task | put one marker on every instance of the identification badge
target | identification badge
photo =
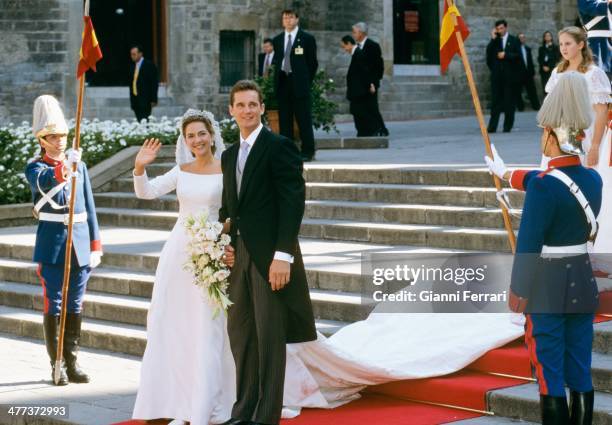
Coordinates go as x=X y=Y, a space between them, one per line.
x=299 y=51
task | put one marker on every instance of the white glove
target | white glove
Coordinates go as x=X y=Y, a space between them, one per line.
x=95 y=258
x=73 y=157
x=496 y=165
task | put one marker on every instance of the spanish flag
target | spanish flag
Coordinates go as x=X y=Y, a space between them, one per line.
x=448 y=40
x=90 y=49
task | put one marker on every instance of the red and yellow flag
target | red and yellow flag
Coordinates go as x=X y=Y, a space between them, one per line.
x=448 y=40
x=90 y=49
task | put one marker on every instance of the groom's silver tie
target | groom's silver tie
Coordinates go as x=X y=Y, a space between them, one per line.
x=242 y=157
x=287 y=59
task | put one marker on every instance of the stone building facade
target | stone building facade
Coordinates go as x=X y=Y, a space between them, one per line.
x=40 y=40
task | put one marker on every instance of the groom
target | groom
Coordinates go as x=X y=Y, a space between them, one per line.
x=263 y=200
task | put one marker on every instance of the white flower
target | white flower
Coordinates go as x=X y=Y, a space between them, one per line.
x=206 y=248
x=211 y=235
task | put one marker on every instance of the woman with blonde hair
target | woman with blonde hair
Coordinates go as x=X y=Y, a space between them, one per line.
x=577 y=56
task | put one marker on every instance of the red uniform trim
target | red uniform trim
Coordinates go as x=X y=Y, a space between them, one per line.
x=50 y=161
x=564 y=161
x=517 y=178
x=59 y=173
x=559 y=162
x=96 y=245
x=44 y=286
x=58 y=167
x=533 y=355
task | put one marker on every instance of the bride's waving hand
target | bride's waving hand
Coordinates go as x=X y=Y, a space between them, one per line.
x=146 y=155
x=159 y=186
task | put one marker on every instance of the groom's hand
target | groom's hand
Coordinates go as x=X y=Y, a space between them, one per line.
x=279 y=274
x=229 y=256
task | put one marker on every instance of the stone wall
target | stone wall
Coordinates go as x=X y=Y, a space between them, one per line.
x=194 y=39
x=39 y=42
x=33 y=59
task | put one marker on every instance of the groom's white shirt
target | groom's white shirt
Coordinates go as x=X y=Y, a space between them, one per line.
x=278 y=255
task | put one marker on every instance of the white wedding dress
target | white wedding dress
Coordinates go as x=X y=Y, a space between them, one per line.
x=599 y=91
x=389 y=347
x=187 y=371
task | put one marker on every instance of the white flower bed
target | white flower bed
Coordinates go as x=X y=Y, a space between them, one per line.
x=99 y=140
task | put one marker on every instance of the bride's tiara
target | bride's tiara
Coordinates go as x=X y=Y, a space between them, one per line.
x=195 y=113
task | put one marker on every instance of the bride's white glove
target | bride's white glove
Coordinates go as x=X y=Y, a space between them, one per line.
x=496 y=165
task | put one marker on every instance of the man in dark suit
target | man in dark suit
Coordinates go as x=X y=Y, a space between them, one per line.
x=504 y=61
x=527 y=78
x=358 y=88
x=143 y=84
x=295 y=64
x=265 y=59
x=263 y=202
x=376 y=68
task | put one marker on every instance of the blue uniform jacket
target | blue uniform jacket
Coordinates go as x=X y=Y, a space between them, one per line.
x=51 y=236
x=553 y=217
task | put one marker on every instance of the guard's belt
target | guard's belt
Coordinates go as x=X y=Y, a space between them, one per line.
x=62 y=218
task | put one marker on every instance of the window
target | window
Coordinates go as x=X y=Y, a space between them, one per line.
x=416 y=33
x=237 y=57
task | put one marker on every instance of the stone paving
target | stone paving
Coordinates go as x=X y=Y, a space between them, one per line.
x=446 y=141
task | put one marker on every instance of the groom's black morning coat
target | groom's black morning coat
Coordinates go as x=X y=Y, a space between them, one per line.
x=268 y=212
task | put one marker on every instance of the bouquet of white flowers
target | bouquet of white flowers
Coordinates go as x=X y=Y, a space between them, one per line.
x=206 y=248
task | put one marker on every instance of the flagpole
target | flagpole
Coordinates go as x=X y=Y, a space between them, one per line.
x=68 y=254
x=481 y=122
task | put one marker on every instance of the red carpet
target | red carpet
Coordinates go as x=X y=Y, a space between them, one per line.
x=388 y=404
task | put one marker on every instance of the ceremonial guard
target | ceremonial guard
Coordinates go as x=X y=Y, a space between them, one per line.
x=552 y=279
x=50 y=177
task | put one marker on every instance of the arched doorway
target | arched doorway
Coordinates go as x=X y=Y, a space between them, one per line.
x=119 y=25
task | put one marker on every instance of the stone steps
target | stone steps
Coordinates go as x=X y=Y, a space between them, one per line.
x=141 y=266
x=462 y=238
x=377 y=173
x=359 y=192
x=379 y=212
x=522 y=402
x=131 y=310
x=123 y=296
x=425 y=235
x=410 y=194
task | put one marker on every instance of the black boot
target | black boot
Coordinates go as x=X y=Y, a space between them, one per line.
x=581 y=407
x=554 y=410
x=71 y=349
x=51 y=331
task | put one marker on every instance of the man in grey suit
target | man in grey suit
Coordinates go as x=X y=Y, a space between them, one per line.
x=263 y=202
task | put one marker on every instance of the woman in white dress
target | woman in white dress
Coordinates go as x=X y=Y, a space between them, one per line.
x=578 y=57
x=187 y=372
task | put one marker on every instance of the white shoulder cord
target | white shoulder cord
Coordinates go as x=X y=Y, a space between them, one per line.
x=582 y=200
x=47 y=198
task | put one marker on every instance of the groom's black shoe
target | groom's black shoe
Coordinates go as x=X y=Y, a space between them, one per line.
x=236 y=422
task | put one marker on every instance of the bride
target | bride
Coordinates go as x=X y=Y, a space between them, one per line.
x=187 y=371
